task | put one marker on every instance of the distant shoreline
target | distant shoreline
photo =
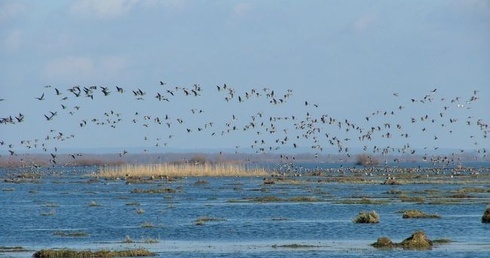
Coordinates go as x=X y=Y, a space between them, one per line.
x=114 y=159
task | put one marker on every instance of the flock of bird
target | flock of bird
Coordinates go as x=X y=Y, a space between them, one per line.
x=270 y=130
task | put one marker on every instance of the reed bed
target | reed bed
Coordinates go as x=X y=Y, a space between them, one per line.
x=180 y=170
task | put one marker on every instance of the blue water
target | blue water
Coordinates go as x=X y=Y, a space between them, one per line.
x=243 y=228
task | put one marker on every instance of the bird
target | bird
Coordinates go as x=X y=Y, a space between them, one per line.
x=41 y=98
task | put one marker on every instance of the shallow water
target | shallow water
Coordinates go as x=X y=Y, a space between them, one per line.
x=32 y=213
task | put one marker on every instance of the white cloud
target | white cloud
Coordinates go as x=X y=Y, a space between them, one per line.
x=365 y=22
x=102 y=9
x=10 y=10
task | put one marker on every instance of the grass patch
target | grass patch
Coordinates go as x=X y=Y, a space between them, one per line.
x=202 y=220
x=271 y=198
x=50 y=253
x=151 y=241
x=416 y=214
x=294 y=246
x=11 y=249
x=417 y=199
x=442 y=241
x=154 y=191
x=367 y=217
x=362 y=201
x=70 y=233
x=180 y=170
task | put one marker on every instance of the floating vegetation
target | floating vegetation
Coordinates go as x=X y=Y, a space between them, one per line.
x=150 y=241
x=50 y=253
x=12 y=249
x=295 y=246
x=416 y=199
x=154 y=191
x=367 y=217
x=201 y=220
x=140 y=211
x=362 y=201
x=133 y=204
x=70 y=233
x=416 y=214
x=271 y=198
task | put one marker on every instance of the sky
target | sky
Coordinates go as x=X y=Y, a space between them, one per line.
x=318 y=67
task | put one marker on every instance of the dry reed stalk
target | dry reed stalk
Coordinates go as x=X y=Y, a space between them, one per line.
x=180 y=170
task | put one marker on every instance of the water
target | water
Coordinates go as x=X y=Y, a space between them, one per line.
x=34 y=213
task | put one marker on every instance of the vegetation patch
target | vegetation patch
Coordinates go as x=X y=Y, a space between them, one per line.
x=271 y=198
x=367 y=217
x=181 y=170
x=11 y=249
x=154 y=191
x=362 y=201
x=54 y=253
x=202 y=220
x=416 y=214
x=383 y=243
x=294 y=246
x=416 y=199
x=417 y=241
x=486 y=216
x=70 y=233
x=150 y=241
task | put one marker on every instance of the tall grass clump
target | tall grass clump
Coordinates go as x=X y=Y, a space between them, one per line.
x=180 y=170
x=48 y=253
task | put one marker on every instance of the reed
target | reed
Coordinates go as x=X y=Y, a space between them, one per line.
x=180 y=170
x=83 y=254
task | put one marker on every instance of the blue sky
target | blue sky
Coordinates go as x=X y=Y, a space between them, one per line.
x=347 y=57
